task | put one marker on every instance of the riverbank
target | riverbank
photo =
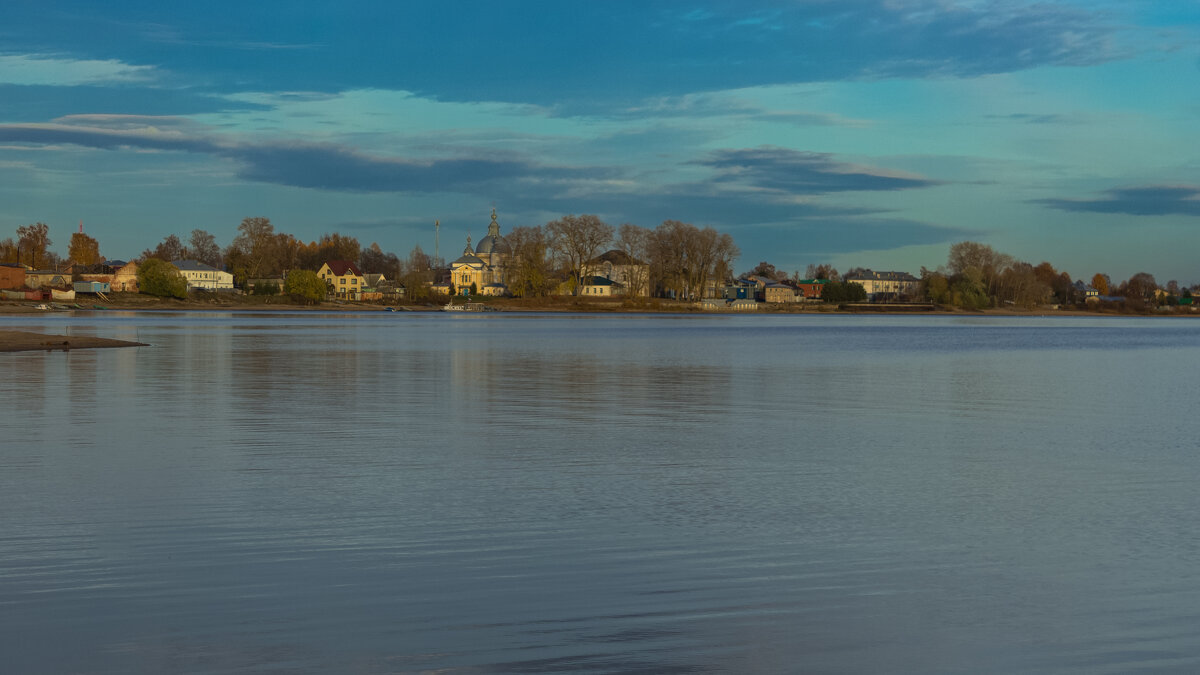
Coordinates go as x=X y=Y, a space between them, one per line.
x=200 y=301
x=22 y=341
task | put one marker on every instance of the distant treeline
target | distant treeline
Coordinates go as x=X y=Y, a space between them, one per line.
x=680 y=260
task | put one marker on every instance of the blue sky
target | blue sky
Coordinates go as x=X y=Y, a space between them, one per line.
x=869 y=133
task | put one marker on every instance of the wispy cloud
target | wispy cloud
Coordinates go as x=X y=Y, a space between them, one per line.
x=914 y=38
x=732 y=107
x=101 y=137
x=146 y=123
x=730 y=46
x=171 y=35
x=803 y=173
x=763 y=185
x=1151 y=200
x=592 y=57
x=324 y=166
x=1034 y=118
x=25 y=69
x=331 y=167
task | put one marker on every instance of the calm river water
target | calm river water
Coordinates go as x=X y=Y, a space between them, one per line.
x=499 y=493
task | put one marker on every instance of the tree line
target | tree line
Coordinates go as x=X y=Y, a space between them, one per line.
x=679 y=259
x=676 y=259
x=976 y=276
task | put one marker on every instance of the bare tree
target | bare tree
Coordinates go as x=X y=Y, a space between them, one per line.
x=710 y=254
x=684 y=258
x=287 y=253
x=169 y=249
x=203 y=247
x=578 y=239
x=530 y=266
x=766 y=270
x=418 y=261
x=1140 y=286
x=374 y=260
x=725 y=253
x=1064 y=288
x=822 y=271
x=252 y=252
x=33 y=240
x=990 y=263
x=669 y=256
x=634 y=242
x=8 y=250
x=1020 y=285
x=417 y=274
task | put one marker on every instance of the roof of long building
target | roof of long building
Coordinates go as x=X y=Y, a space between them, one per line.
x=881 y=276
x=193 y=266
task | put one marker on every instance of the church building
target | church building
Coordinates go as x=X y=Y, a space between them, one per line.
x=486 y=267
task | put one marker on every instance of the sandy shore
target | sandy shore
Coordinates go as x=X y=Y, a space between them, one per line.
x=21 y=341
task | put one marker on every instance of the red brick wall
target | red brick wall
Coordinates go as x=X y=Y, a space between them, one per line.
x=12 y=278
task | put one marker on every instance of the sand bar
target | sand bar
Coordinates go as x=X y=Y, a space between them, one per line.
x=21 y=341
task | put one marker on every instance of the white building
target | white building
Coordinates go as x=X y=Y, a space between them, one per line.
x=885 y=284
x=631 y=275
x=201 y=276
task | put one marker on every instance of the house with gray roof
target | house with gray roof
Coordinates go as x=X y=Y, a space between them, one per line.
x=204 y=277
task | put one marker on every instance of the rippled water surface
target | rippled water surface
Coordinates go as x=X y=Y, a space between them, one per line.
x=405 y=493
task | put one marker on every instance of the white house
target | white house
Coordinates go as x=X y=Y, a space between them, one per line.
x=203 y=276
x=631 y=275
x=601 y=286
x=876 y=284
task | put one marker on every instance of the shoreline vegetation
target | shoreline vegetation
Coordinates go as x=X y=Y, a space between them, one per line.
x=561 y=266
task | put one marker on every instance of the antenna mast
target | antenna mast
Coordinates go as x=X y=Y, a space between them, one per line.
x=437 y=224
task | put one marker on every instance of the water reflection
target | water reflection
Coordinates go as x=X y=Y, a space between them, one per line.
x=316 y=493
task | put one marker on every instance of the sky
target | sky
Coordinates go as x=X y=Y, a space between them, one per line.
x=862 y=133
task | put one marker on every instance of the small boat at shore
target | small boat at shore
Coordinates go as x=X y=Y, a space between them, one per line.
x=467 y=307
